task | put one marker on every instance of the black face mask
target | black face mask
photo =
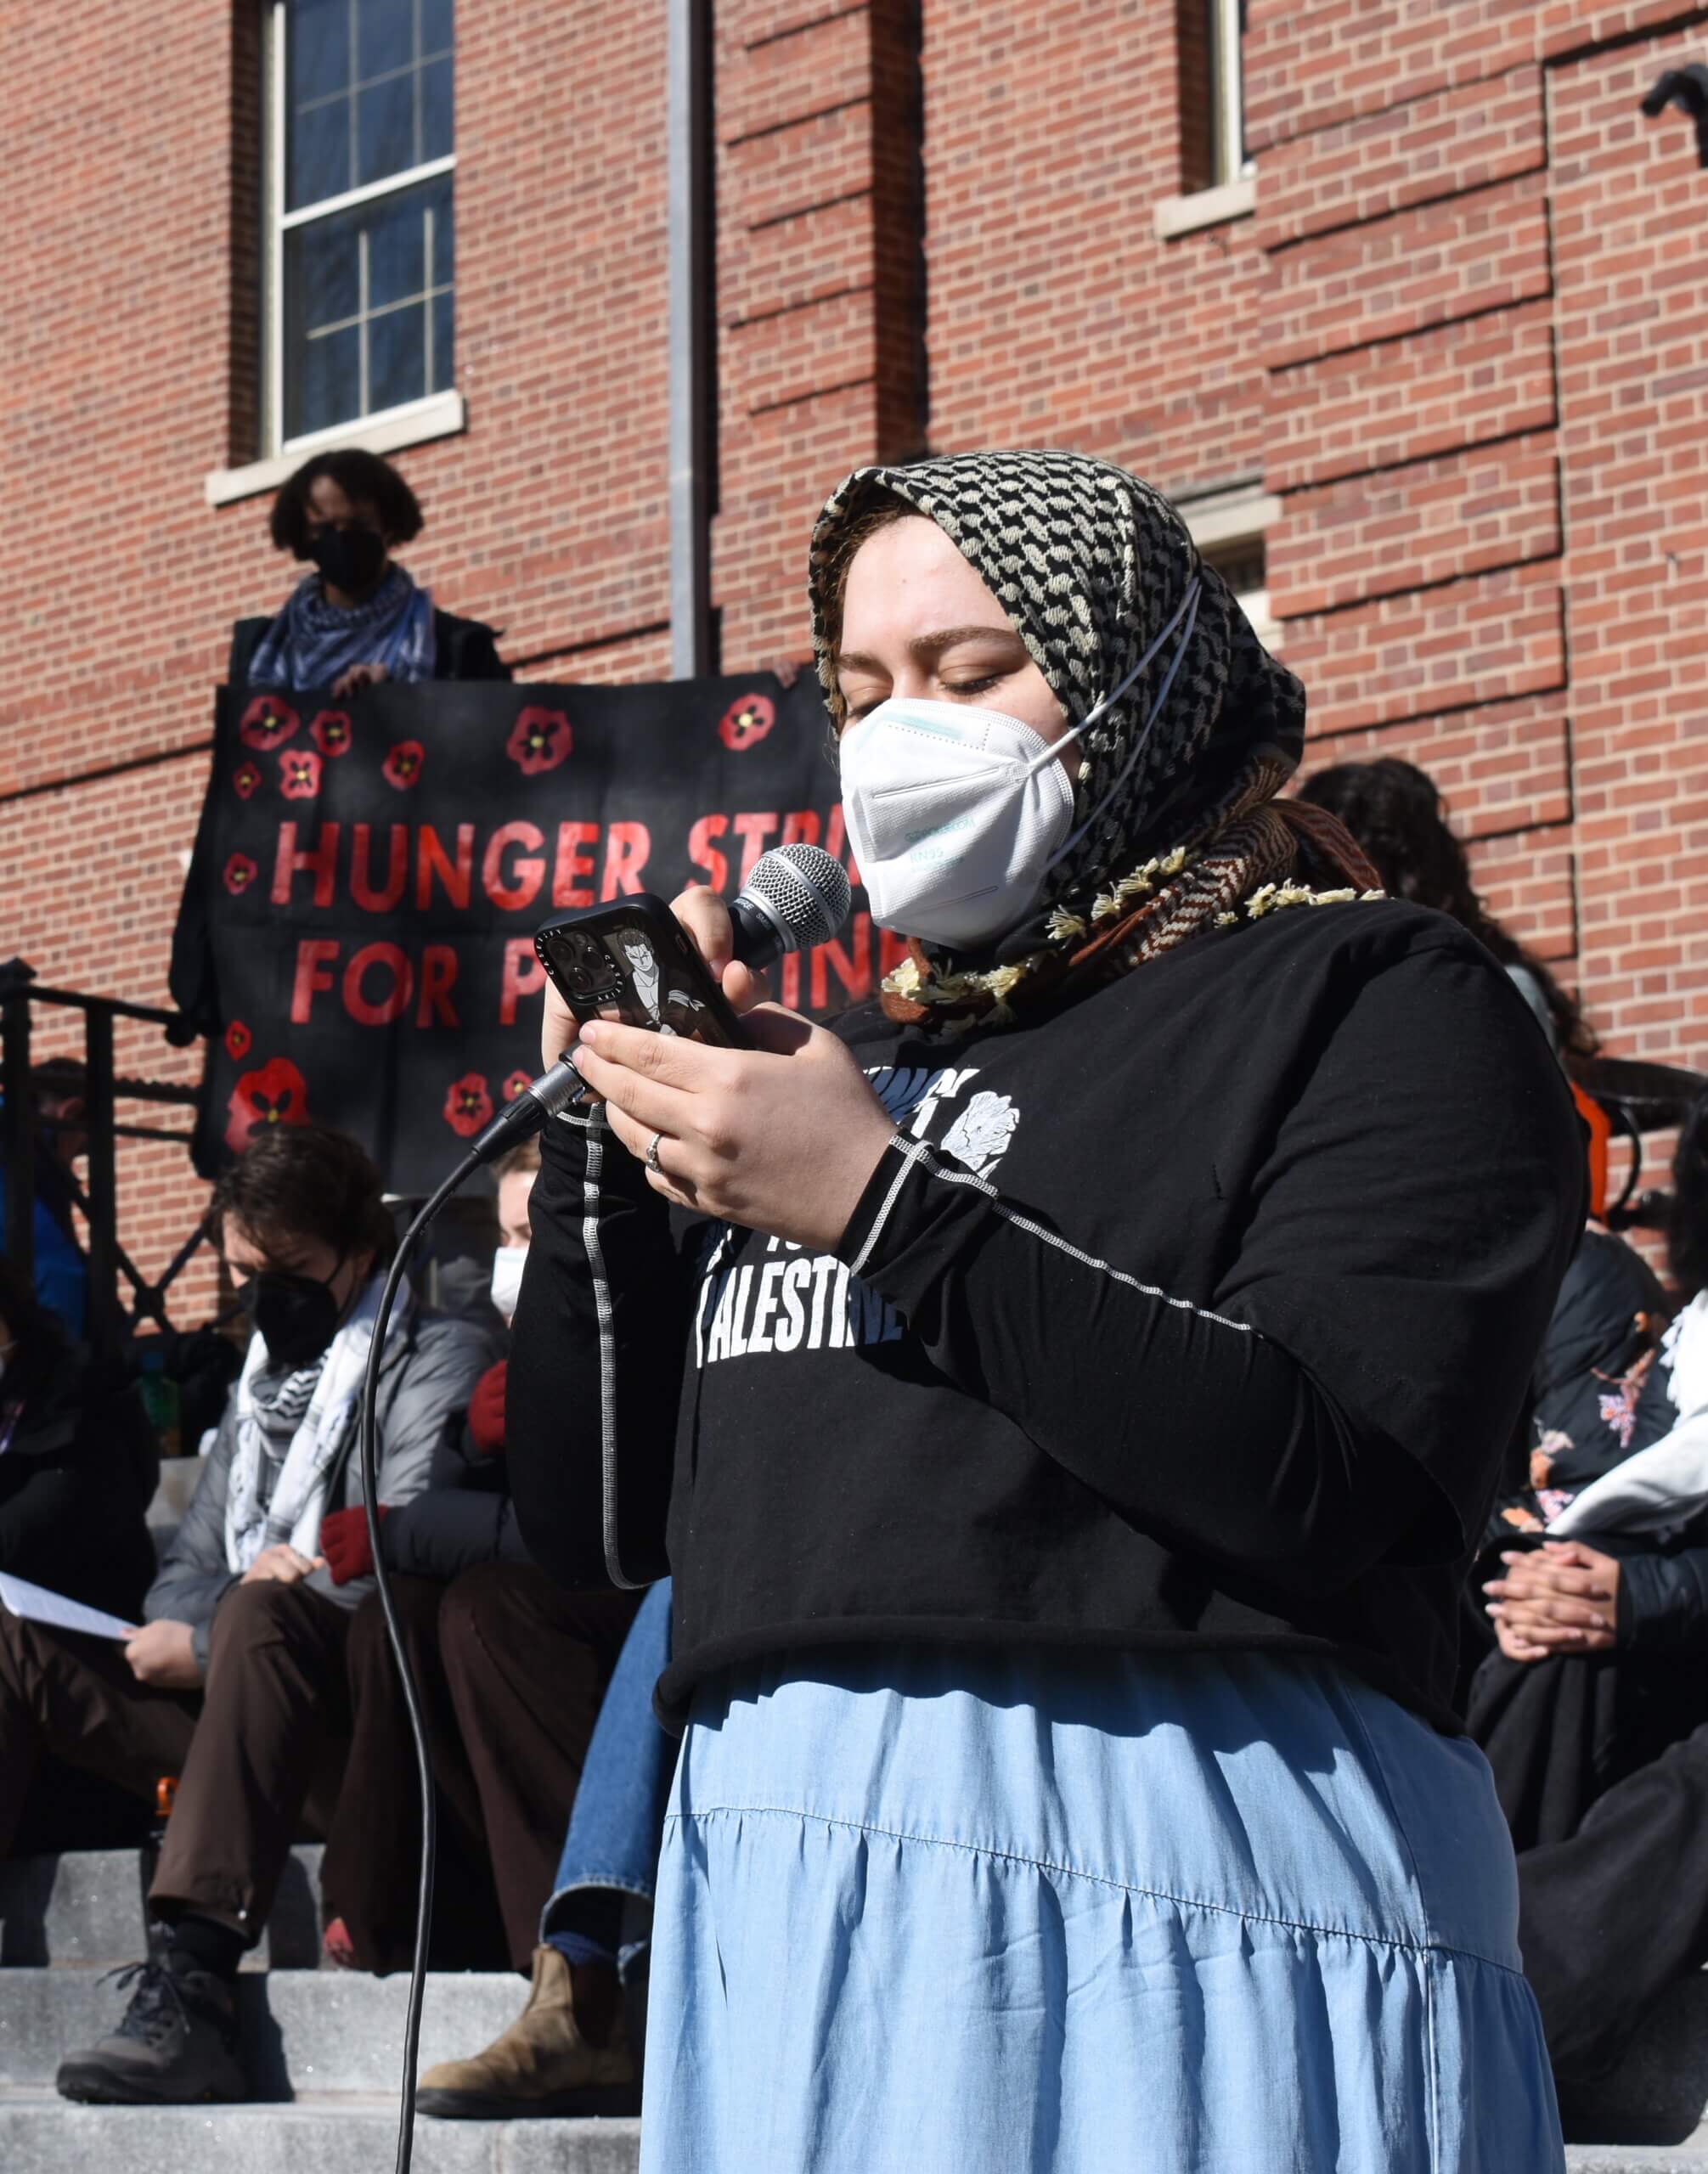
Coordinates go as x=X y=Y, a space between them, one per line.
x=295 y=1316
x=351 y=559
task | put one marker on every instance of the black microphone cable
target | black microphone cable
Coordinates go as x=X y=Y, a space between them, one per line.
x=798 y=896
x=544 y=1098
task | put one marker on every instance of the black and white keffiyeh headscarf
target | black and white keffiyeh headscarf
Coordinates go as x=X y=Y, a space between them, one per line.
x=1091 y=564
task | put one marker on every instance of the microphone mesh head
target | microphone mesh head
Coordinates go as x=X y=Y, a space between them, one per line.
x=807 y=888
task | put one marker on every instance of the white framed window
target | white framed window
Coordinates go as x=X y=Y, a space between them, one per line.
x=1229 y=527
x=1218 y=181
x=360 y=318
x=1241 y=566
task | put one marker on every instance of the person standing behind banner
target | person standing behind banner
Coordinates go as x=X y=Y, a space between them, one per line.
x=359 y=618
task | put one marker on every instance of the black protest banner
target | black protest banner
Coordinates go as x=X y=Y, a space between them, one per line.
x=357 y=933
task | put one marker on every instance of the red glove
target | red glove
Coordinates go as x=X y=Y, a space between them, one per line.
x=345 y=1543
x=487 y=1412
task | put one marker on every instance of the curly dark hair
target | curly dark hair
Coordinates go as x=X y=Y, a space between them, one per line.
x=365 y=479
x=1394 y=810
x=310 y=1181
x=1687 y=1226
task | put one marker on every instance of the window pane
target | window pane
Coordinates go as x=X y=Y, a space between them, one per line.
x=320 y=271
x=397 y=357
x=319 y=153
x=318 y=48
x=444 y=360
x=435 y=109
x=385 y=129
x=395 y=248
x=436 y=25
x=321 y=379
x=437 y=194
x=385 y=37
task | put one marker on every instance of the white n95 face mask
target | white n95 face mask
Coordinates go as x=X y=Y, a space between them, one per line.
x=957 y=813
x=507 y=1264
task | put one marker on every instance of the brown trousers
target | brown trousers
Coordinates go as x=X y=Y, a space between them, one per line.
x=512 y=1669
x=257 y=1756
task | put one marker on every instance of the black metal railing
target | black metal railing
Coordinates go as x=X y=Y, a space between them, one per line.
x=113 y=1319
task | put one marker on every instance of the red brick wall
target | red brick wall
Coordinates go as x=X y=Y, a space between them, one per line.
x=1486 y=340
x=1055 y=315
x=1462 y=340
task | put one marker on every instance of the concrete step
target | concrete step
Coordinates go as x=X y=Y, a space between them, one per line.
x=334 y=2134
x=1690 y=2157
x=86 y=1907
x=352 y=2133
x=300 y=2031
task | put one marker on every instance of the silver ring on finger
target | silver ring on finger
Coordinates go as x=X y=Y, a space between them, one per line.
x=652 y=1163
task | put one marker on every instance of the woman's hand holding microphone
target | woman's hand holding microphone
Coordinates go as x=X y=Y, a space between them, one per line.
x=782 y=1138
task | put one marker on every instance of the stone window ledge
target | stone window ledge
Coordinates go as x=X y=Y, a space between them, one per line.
x=441 y=415
x=1205 y=207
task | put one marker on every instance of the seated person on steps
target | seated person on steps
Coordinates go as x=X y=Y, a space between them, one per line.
x=236 y=1681
x=511 y=1667
x=1594 y=1714
x=77 y=1462
x=571 y=2049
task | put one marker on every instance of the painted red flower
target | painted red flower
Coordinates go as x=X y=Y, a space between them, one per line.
x=241 y=872
x=299 y=774
x=468 y=1105
x=539 y=740
x=237 y=1039
x=746 y=721
x=403 y=766
x=277 y=1094
x=245 y=779
x=331 y=733
x=518 y=1083
x=268 y=724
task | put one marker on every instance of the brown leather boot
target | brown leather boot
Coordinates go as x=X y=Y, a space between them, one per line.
x=542 y=2064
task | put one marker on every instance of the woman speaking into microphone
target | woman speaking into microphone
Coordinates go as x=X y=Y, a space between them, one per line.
x=1067 y=1414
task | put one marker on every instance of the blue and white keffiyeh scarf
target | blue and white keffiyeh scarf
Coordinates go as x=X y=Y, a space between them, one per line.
x=312 y=642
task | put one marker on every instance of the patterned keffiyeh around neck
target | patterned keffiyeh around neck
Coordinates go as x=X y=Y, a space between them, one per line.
x=1090 y=564
x=312 y=642
x=293 y=1434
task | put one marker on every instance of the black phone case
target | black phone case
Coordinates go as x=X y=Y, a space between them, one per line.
x=633 y=956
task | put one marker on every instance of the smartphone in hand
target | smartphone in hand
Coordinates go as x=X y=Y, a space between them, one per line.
x=632 y=960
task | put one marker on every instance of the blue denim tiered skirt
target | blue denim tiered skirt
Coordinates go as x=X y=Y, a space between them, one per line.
x=980 y=1913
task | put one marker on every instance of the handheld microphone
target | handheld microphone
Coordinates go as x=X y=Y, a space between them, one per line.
x=797 y=896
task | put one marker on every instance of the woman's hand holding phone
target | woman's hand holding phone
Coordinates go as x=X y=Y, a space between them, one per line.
x=705 y=918
x=782 y=1138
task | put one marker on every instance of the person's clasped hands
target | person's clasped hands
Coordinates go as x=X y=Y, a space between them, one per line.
x=356 y=677
x=1561 y=1598
x=781 y=1138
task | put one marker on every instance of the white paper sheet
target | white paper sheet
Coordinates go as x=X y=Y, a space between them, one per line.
x=36 y=1604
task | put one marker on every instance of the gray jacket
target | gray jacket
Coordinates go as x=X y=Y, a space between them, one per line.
x=425 y=1383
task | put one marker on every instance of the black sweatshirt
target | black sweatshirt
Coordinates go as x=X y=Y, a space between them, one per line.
x=1196 y=1315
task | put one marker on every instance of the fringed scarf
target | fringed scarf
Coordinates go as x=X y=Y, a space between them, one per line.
x=312 y=643
x=1090 y=564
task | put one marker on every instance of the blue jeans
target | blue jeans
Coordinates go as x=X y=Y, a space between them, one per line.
x=619 y=1816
